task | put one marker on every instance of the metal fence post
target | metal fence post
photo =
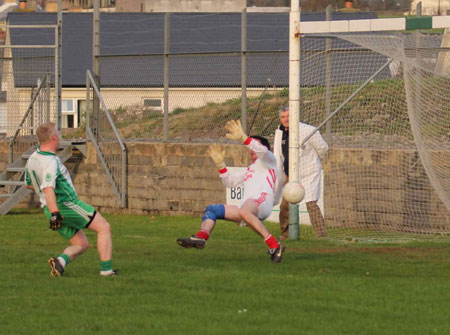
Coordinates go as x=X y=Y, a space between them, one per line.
x=124 y=181
x=328 y=71
x=48 y=98
x=166 y=75
x=88 y=104
x=418 y=83
x=58 y=76
x=96 y=66
x=244 y=69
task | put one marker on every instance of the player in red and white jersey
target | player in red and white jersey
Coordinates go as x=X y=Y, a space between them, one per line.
x=258 y=179
x=259 y=182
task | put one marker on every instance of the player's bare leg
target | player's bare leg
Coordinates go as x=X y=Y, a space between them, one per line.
x=104 y=240
x=249 y=213
x=104 y=243
x=210 y=215
x=79 y=244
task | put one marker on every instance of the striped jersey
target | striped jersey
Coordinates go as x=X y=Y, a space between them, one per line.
x=259 y=178
x=44 y=169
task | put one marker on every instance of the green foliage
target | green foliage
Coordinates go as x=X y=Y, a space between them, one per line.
x=178 y=110
x=284 y=93
x=321 y=287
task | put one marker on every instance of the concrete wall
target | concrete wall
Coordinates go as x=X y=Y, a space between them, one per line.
x=19 y=99
x=178 y=97
x=174 y=6
x=129 y=5
x=218 y=6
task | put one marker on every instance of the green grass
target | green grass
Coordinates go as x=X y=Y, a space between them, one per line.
x=321 y=287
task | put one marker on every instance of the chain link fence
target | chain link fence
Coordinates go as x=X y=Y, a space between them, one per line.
x=25 y=65
x=205 y=90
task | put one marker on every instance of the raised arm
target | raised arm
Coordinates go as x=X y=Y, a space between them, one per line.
x=228 y=179
x=265 y=155
x=235 y=132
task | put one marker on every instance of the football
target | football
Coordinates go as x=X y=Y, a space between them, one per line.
x=293 y=192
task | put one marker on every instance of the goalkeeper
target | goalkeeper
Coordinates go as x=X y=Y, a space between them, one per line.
x=68 y=215
x=259 y=182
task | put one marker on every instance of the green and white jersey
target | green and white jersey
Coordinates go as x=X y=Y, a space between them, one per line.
x=45 y=169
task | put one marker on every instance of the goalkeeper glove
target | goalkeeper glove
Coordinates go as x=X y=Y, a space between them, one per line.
x=55 y=221
x=235 y=131
x=217 y=154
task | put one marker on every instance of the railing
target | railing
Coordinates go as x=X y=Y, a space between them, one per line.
x=36 y=113
x=100 y=129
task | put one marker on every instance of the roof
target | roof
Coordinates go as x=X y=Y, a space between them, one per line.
x=140 y=34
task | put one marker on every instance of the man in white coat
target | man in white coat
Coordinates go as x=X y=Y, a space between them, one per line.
x=310 y=172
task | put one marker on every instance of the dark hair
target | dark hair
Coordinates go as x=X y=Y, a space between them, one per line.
x=264 y=141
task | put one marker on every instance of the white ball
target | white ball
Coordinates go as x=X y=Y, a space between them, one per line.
x=293 y=192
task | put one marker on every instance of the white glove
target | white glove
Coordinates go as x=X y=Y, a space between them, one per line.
x=235 y=131
x=216 y=152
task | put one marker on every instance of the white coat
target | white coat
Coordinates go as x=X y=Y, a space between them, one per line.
x=309 y=168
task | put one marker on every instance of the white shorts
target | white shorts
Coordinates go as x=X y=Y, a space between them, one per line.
x=265 y=205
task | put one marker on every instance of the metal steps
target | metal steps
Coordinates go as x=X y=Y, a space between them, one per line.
x=12 y=182
x=15 y=169
x=13 y=177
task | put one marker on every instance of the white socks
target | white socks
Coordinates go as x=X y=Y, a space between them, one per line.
x=62 y=261
x=107 y=273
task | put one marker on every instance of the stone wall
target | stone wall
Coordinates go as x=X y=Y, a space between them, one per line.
x=380 y=188
x=163 y=178
x=383 y=190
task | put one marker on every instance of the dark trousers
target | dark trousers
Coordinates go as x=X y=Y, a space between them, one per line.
x=315 y=217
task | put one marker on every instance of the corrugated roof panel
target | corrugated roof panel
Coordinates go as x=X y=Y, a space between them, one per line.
x=143 y=33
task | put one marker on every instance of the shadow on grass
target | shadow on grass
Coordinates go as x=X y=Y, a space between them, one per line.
x=22 y=211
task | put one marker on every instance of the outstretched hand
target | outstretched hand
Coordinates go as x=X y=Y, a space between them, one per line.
x=235 y=131
x=217 y=154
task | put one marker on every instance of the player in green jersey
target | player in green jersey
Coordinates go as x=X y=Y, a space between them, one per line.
x=68 y=215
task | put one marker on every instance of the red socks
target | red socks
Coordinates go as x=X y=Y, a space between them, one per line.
x=271 y=242
x=203 y=234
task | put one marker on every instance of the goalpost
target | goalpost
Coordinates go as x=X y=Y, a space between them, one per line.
x=387 y=174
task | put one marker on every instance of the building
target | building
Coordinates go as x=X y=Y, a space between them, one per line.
x=132 y=48
x=431 y=7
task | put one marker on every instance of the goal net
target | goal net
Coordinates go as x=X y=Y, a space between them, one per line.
x=387 y=174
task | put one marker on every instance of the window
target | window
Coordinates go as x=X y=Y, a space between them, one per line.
x=155 y=104
x=67 y=105
x=69 y=114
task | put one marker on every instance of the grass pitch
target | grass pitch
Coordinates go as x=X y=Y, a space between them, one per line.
x=230 y=287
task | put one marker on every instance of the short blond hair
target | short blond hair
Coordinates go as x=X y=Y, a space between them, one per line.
x=45 y=132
